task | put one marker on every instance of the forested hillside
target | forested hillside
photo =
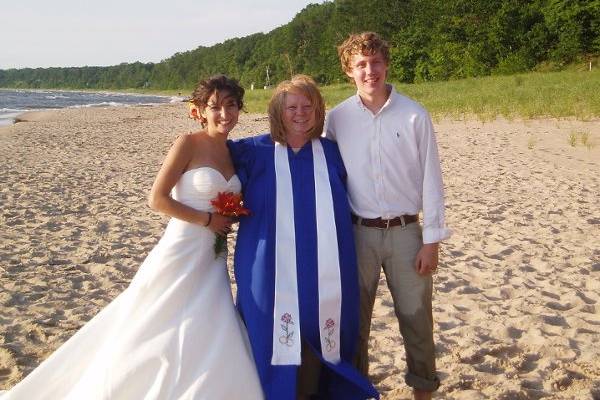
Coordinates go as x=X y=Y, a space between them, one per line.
x=431 y=40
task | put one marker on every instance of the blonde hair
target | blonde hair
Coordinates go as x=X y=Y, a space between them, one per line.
x=365 y=43
x=299 y=84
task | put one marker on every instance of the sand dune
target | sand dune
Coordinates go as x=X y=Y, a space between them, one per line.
x=516 y=298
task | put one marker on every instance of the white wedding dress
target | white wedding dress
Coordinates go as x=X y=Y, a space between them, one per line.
x=173 y=333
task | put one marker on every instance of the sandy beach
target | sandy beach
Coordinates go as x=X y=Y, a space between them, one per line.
x=517 y=294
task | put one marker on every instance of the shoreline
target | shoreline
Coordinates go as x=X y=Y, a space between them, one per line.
x=107 y=91
x=15 y=108
x=27 y=116
x=516 y=298
x=35 y=116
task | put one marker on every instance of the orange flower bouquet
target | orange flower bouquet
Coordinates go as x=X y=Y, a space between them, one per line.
x=228 y=204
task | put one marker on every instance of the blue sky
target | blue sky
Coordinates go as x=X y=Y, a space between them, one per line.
x=61 y=33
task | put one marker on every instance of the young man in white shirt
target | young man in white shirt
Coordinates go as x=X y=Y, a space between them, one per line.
x=388 y=145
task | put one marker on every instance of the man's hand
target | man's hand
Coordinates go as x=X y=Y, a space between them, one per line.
x=427 y=259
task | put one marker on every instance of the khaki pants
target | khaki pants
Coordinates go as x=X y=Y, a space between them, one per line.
x=395 y=250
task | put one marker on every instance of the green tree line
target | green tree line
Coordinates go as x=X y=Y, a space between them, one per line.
x=431 y=40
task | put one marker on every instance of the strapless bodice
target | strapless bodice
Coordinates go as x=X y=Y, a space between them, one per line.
x=198 y=186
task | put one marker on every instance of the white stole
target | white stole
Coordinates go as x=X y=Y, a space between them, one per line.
x=286 y=325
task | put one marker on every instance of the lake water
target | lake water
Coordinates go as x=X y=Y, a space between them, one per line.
x=15 y=101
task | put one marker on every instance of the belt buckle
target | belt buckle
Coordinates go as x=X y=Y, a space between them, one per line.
x=402 y=222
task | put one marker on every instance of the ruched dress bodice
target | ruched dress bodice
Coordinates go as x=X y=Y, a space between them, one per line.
x=197 y=187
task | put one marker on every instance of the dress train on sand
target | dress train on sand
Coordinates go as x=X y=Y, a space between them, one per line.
x=173 y=333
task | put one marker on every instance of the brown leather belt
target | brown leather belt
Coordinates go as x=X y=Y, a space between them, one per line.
x=385 y=223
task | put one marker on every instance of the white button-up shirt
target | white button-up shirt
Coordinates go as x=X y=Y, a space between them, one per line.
x=392 y=161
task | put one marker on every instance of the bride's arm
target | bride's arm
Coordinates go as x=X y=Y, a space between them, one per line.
x=174 y=165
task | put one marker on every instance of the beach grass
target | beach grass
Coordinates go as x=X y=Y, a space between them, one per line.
x=572 y=140
x=585 y=138
x=562 y=94
x=530 y=95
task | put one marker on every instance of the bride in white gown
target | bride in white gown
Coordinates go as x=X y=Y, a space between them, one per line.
x=174 y=332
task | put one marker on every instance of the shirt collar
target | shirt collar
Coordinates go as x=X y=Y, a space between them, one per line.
x=391 y=98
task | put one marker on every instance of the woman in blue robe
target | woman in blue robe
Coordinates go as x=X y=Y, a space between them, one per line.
x=296 y=114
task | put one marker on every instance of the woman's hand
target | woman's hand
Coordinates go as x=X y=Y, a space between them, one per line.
x=220 y=224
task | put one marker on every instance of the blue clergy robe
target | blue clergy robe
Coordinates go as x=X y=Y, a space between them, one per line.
x=255 y=267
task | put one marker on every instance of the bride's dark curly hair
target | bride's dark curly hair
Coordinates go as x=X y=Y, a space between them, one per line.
x=217 y=83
